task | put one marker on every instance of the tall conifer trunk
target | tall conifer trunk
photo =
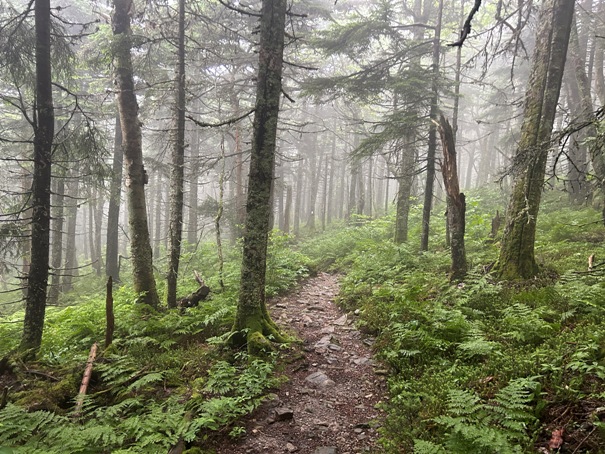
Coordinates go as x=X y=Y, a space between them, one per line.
x=140 y=248
x=252 y=321
x=178 y=166
x=37 y=279
x=113 y=214
x=432 y=142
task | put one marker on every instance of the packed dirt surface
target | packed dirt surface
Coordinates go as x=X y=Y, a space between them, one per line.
x=328 y=405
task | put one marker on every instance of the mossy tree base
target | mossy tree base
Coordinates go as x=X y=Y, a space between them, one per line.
x=258 y=333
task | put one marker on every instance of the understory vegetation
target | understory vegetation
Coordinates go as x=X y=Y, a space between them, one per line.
x=482 y=366
x=476 y=366
x=166 y=379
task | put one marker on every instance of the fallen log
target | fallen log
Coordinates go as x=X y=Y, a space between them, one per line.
x=85 y=379
x=193 y=299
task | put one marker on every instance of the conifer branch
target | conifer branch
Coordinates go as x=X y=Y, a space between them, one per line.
x=224 y=123
x=466 y=28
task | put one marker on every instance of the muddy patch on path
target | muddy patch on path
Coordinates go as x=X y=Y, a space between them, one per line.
x=328 y=405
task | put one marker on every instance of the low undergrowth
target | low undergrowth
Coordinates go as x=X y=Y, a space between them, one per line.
x=166 y=380
x=482 y=366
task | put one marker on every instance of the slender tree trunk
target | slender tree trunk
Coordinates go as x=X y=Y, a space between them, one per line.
x=177 y=168
x=598 y=61
x=351 y=207
x=37 y=279
x=313 y=187
x=330 y=188
x=288 y=209
x=584 y=112
x=252 y=321
x=240 y=196
x=324 y=195
x=279 y=186
x=193 y=192
x=94 y=258
x=113 y=214
x=299 y=194
x=405 y=178
x=26 y=245
x=517 y=258
x=57 y=243
x=157 y=213
x=219 y=216
x=432 y=143
x=342 y=195
x=71 y=261
x=140 y=247
x=369 y=192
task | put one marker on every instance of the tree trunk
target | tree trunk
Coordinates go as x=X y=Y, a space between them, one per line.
x=330 y=188
x=585 y=112
x=517 y=257
x=405 y=179
x=352 y=206
x=113 y=214
x=240 y=196
x=324 y=195
x=456 y=201
x=71 y=258
x=299 y=194
x=157 y=213
x=252 y=321
x=315 y=171
x=432 y=142
x=177 y=168
x=37 y=279
x=193 y=192
x=57 y=243
x=287 y=209
x=140 y=247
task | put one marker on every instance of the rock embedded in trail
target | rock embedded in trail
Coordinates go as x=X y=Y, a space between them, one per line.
x=320 y=379
x=325 y=450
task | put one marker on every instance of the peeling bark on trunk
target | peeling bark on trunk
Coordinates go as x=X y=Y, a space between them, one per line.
x=140 y=247
x=253 y=323
x=456 y=201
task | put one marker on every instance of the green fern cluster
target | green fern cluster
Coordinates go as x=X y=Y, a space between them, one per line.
x=140 y=418
x=500 y=425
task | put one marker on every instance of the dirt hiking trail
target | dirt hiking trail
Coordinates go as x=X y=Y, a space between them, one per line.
x=328 y=404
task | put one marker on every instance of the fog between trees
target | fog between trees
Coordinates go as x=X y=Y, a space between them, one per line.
x=363 y=85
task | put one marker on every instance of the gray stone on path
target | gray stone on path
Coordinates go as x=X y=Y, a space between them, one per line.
x=324 y=342
x=319 y=379
x=325 y=450
x=363 y=360
x=291 y=448
x=341 y=321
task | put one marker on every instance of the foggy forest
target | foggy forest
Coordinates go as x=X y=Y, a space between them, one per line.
x=313 y=226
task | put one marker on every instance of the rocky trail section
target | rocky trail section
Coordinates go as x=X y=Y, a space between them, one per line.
x=328 y=404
